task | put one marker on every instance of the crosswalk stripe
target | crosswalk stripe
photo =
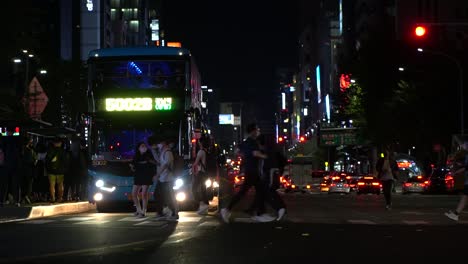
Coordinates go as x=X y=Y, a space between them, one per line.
x=184 y=219
x=361 y=222
x=37 y=222
x=92 y=222
x=415 y=222
x=132 y=219
x=151 y=223
x=79 y=219
x=209 y=224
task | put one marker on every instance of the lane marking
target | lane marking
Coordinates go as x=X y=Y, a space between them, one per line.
x=361 y=222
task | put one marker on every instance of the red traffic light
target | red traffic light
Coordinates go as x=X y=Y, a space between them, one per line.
x=280 y=139
x=420 y=31
x=302 y=139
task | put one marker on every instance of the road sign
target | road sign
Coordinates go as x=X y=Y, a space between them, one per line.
x=338 y=137
x=35 y=100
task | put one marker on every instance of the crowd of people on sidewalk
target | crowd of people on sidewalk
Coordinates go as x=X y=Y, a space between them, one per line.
x=41 y=170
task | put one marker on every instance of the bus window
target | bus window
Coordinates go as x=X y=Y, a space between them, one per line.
x=126 y=74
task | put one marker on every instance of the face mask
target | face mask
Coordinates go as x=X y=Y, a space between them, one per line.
x=143 y=149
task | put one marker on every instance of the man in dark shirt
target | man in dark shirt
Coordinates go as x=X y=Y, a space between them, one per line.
x=251 y=156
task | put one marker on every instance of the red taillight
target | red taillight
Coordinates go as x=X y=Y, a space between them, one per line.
x=308 y=186
x=346 y=185
x=407 y=184
x=449 y=178
x=323 y=184
x=360 y=183
x=348 y=177
x=426 y=182
x=375 y=184
x=332 y=184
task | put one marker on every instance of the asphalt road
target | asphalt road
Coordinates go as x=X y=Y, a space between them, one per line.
x=318 y=229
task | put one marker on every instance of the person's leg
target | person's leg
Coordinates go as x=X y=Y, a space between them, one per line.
x=260 y=195
x=60 y=182
x=144 y=195
x=52 y=182
x=135 y=190
x=169 y=198
x=158 y=199
x=462 y=203
x=238 y=196
x=387 y=190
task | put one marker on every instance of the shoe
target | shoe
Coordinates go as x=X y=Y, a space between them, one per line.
x=173 y=217
x=281 y=213
x=452 y=215
x=225 y=214
x=166 y=211
x=141 y=215
x=264 y=218
x=203 y=209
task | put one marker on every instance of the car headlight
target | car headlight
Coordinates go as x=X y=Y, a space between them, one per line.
x=178 y=183
x=208 y=183
x=99 y=183
x=180 y=197
x=215 y=184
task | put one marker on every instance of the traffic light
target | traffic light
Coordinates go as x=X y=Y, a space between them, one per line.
x=302 y=139
x=420 y=31
x=280 y=139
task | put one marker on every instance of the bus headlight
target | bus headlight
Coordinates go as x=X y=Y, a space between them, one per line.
x=98 y=197
x=180 y=197
x=208 y=183
x=99 y=183
x=177 y=184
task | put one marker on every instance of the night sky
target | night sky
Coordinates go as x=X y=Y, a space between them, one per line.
x=237 y=44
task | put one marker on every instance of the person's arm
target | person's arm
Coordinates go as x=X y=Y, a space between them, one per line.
x=197 y=162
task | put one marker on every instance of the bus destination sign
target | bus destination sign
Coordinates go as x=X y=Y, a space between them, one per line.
x=138 y=104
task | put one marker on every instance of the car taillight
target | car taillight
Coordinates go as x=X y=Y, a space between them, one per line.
x=308 y=186
x=332 y=184
x=449 y=178
x=426 y=182
x=407 y=184
x=323 y=184
x=375 y=184
x=360 y=183
x=293 y=186
x=346 y=185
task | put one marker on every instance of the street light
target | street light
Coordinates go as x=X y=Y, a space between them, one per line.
x=43 y=71
x=17 y=60
x=460 y=82
x=401 y=69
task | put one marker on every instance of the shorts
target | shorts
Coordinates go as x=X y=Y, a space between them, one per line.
x=56 y=178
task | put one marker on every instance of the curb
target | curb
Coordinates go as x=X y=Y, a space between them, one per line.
x=40 y=211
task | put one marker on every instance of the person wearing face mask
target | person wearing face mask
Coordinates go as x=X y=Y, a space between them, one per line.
x=143 y=167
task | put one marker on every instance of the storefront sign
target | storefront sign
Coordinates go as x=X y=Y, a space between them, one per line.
x=138 y=104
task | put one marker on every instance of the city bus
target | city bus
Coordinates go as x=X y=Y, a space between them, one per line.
x=134 y=93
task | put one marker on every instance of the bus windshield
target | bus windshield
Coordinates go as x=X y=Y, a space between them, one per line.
x=115 y=143
x=138 y=74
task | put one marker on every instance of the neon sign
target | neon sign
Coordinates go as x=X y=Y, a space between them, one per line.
x=138 y=104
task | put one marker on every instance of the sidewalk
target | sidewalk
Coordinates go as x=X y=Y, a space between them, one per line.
x=38 y=210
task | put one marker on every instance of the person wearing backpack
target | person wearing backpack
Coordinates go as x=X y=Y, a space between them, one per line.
x=200 y=175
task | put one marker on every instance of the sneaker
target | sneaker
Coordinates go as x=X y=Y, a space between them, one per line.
x=264 y=218
x=281 y=213
x=160 y=217
x=203 y=209
x=141 y=215
x=173 y=217
x=225 y=214
x=452 y=215
x=166 y=211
